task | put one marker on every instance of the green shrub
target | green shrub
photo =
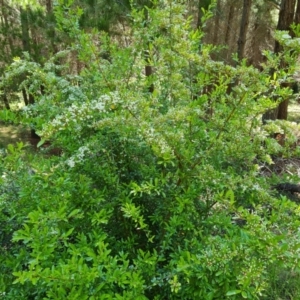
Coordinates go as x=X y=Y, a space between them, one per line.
x=156 y=195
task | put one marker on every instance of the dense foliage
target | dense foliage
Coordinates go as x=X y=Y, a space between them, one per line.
x=157 y=195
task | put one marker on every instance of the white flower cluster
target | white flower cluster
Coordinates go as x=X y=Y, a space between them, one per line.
x=157 y=140
x=27 y=110
x=78 y=157
x=78 y=113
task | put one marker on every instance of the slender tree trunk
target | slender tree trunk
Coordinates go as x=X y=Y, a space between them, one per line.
x=25 y=98
x=286 y=18
x=216 y=28
x=6 y=102
x=25 y=29
x=148 y=71
x=148 y=67
x=229 y=24
x=28 y=99
x=283 y=110
x=297 y=13
x=270 y=115
x=6 y=28
x=228 y=30
x=49 y=6
x=31 y=99
x=243 y=28
x=217 y=23
x=51 y=21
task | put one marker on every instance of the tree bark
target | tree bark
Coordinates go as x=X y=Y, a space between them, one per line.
x=229 y=31
x=243 y=28
x=286 y=18
x=283 y=110
x=270 y=115
x=6 y=27
x=217 y=23
x=25 y=98
x=148 y=67
x=229 y=24
x=148 y=71
x=297 y=13
x=6 y=102
x=25 y=29
x=51 y=26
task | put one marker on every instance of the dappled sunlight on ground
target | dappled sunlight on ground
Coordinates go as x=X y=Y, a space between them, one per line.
x=11 y=134
x=294 y=112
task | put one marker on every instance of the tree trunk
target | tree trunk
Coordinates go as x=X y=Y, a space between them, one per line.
x=283 y=110
x=229 y=24
x=243 y=28
x=270 y=115
x=286 y=18
x=31 y=99
x=6 y=27
x=25 y=30
x=297 y=13
x=216 y=29
x=51 y=26
x=229 y=31
x=49 y=6
x=217 y=23
x=148 y=67
x=6 y=102
x=148 y=71
x=25 y=98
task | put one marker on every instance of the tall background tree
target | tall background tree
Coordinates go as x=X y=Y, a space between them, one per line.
x=288 y=14
x=244 y=28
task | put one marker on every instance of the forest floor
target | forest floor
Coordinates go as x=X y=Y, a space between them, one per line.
x=11 y=134
x=294 y=112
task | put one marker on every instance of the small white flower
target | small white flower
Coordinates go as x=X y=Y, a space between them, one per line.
x=71 y=163
x=99 y=106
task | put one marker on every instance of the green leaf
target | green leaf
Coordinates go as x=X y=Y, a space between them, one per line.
x=40 y=143
x=233 y=292
x=73 y=213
